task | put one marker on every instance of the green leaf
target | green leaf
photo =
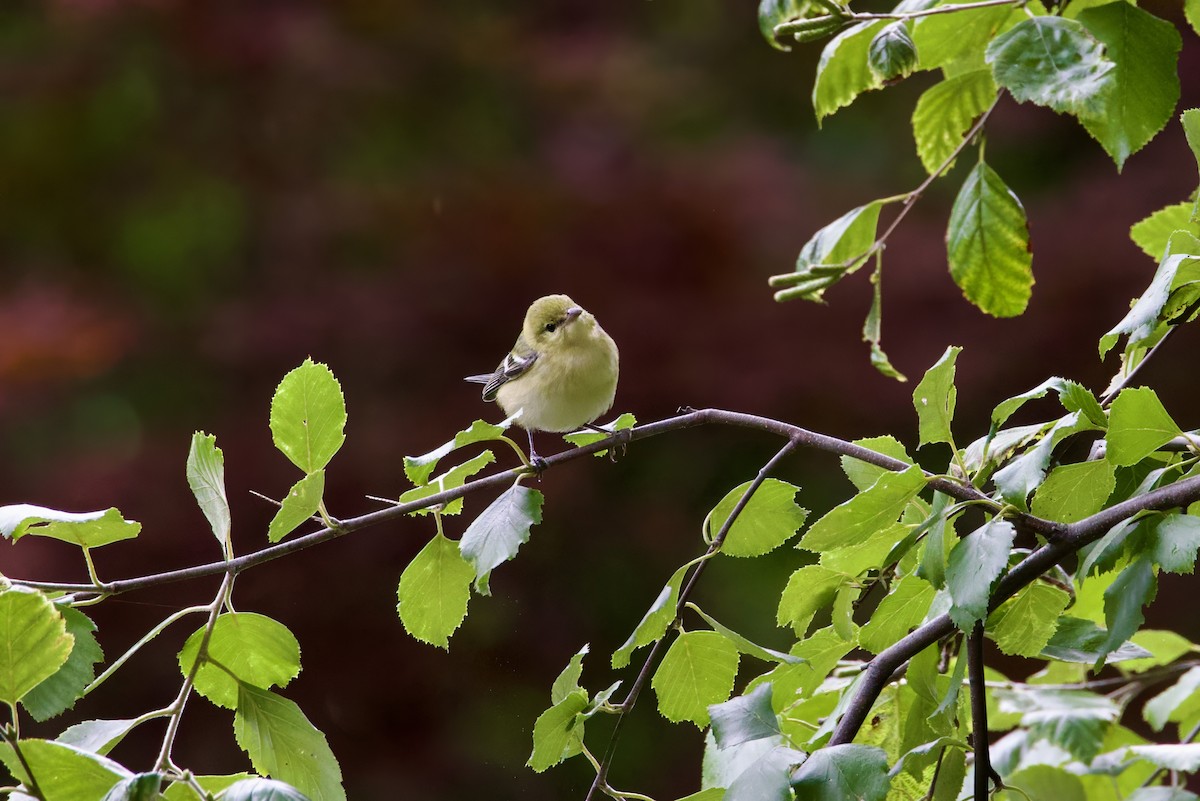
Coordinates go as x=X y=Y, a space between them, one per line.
x=206 y=477
x=1190 y=119
x=864 y=474
x=865 y=513
x=941 y=536
x=1158 y=711
x=97 y=736
x=721 y=766
x=1023 y=625
x=1082 y=641
x=308 y=416
x=1153 y=233
x=766 y=778
x=654 y=623
x=934 y=399
x=892 y=54
x=1176 y=540
x=580 y=438
x=557 y=732
x=842 y=72
x=568 y=681
x=837 y=249
x=842 y=772
x=810 y=589
x=1074 y=720
x=34 y=642
x=1183 y=757
x=1133 y=588
x=903 y=609
x=453 y=478
x=697 y=672
x=59 y=692
x=433 y=592
x=770 y=518
x=245 y=649
x=955 y=41
x=1138 y=426
x=1161 y=793
x=420 y=468
x=1165 y=647
x=745 y=718
x=142 y=787
x=64 y=773
x=1074 y=491
x=1023 y=474
x=258 y=789
x=974 y=565
x=1073 y=396
x=283 y=744
x=1191 y=10
x=1051 y=61
x=987 y=243
x=1141 y=320
x=1045 y=781
x=946 y=111
x=873 y=325
x=85 y=529
x=820 y=653
x=1140 y=93
x=772 y=13
x=868 y=554
x=494 y=537
x=744 y=645
x=182 y=791
x=299 y=505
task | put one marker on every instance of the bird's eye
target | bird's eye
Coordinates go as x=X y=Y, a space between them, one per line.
x=550 y=327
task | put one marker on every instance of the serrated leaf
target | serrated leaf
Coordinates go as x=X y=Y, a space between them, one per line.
x=697 y=672
x=903 y=609
x=568 y=680
x=1138 y=425
x=1134 y=587
x=892 y=54
x=809 y=589
x=841 y=772
x=932 y=567
x=864 y=474
x=1081 y=641
x=987 y=243
x=308 y=416
x=766 y=778
x=1026 y=472
x=556 y=733
x=1176 y=540
x=1075 y=720
x=34 y=642
x=433 y=592
x=85 y=529
x=1152 y=233
x=142 y=787
x=494 y=537
x=1165 y=647
x=1159 y=709
x=868 y=554
x=934 y=398
x=946 y=111
x=820 y=653
x=1176 y=756
x=623 y=422
x=973 y=567
x=865 y=513
x=182 y=791
x=842 y=71
x=418 y=469
x=259 y=789
x=1045 y=781
x=1072 y=492
x=451 y=479
x=1073 y=396
x=244 y=649
x=1190 y=119
x=206 y=477
x=298 y=506
x=770 y=518
x=743 y=645
x=59 y=692
x=1053 y=62
x=1142 y=89
x=654 y=623
x=745 y=718
x=952 y=41
x=97 y=736
x=64 y=773
x=283 y=744
x=1140 y=322
x=1023 y=625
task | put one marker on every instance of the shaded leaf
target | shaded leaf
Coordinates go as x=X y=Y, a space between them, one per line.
x=494 y=537
x=283 y=744
x=1053 y=62
x=841 y=772
x=59 y=692
x=34 y=642
x=747 y=717
x=974 y=565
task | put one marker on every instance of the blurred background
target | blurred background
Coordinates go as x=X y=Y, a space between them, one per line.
x=195 y=196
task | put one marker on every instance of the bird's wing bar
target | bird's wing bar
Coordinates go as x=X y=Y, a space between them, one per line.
x=513 y=366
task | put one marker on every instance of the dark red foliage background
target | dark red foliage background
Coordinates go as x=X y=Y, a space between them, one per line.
x=195 y=196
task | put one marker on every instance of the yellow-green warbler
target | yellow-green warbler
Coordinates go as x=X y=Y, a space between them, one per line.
x=560 y=375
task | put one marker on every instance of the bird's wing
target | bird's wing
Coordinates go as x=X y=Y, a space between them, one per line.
x=514 y=365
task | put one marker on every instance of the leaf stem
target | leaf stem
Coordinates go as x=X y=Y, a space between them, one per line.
x=150 y=635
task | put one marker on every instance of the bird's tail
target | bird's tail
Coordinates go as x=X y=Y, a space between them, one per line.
x=478 y=379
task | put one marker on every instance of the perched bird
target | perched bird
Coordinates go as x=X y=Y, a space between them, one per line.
x=561 y=374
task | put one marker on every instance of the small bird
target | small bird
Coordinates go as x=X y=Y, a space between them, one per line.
x=560 y=375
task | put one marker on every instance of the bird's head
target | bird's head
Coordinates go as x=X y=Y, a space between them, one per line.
x=554 y=319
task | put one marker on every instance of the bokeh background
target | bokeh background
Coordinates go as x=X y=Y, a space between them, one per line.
x=195 y=196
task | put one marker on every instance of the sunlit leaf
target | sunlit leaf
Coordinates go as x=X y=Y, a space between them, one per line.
x=433 y=592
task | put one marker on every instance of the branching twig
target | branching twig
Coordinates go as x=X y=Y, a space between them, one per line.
x=626 y=706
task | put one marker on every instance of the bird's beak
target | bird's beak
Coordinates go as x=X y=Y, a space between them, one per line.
x=574 y=312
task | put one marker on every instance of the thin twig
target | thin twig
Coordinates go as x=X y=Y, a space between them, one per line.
x=626 y=706
x=979 y=729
